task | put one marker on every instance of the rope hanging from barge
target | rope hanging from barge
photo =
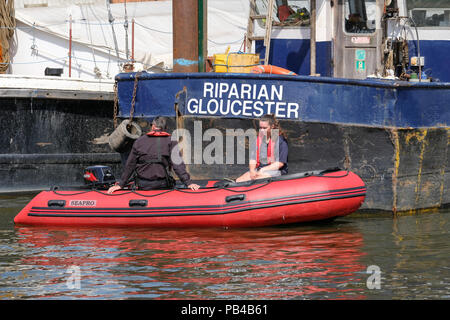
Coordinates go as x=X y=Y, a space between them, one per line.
x=8 y=22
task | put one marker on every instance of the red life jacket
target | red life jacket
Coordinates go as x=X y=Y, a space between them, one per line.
x=158 y=134
x=270 y=151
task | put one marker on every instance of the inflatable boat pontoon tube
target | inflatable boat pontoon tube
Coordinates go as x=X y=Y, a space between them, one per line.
x=283 y=200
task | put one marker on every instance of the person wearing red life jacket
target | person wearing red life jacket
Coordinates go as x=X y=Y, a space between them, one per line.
x=270 y=157
x=150 y=158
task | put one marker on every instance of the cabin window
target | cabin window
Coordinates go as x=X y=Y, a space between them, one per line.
x=360 y=16
x=429 y=13
x=285 y=13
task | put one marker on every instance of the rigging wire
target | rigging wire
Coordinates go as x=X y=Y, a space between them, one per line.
x=88 y=27
x=8 y=26
x=125 y=25
x=111 y=20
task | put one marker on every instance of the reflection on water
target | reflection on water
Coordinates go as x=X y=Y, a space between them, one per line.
x=320 y=261
x=222 y=264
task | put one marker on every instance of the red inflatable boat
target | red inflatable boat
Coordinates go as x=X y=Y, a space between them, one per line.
x=287 y=199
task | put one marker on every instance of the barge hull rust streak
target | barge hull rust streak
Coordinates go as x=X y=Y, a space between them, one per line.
x=423 y=168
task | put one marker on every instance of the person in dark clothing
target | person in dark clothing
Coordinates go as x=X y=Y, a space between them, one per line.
x=270 y=157
x=150 y=157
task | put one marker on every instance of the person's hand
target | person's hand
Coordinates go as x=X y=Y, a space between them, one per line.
x=114 y=188
x=193 y=186
x=252 y=174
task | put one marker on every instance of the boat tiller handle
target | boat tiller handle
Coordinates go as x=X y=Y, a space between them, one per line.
x=138 y=203
x=238 y=197
x=56 y=203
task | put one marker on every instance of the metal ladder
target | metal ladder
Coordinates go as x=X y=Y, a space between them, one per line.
x=250 y=37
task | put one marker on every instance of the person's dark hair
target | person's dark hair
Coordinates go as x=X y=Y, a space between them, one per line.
x=270 y=118
x=160 y=122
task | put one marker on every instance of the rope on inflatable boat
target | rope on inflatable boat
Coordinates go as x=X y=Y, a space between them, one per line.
x=211 y=189
x=227 y=189
x=109 y=194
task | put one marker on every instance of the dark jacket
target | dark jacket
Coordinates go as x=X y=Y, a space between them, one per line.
x=150 y=148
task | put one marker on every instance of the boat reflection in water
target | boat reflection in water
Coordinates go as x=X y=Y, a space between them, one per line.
x=301 y=262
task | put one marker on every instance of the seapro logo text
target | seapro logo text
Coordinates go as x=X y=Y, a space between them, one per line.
x=82 y=203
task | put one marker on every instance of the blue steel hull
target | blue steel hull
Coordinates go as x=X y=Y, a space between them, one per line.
x=319 y=99
x=395 y=135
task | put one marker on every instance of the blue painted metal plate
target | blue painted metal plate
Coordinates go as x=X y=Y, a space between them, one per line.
x=304 y=98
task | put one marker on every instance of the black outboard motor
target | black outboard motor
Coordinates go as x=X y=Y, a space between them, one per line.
x=99 y=177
